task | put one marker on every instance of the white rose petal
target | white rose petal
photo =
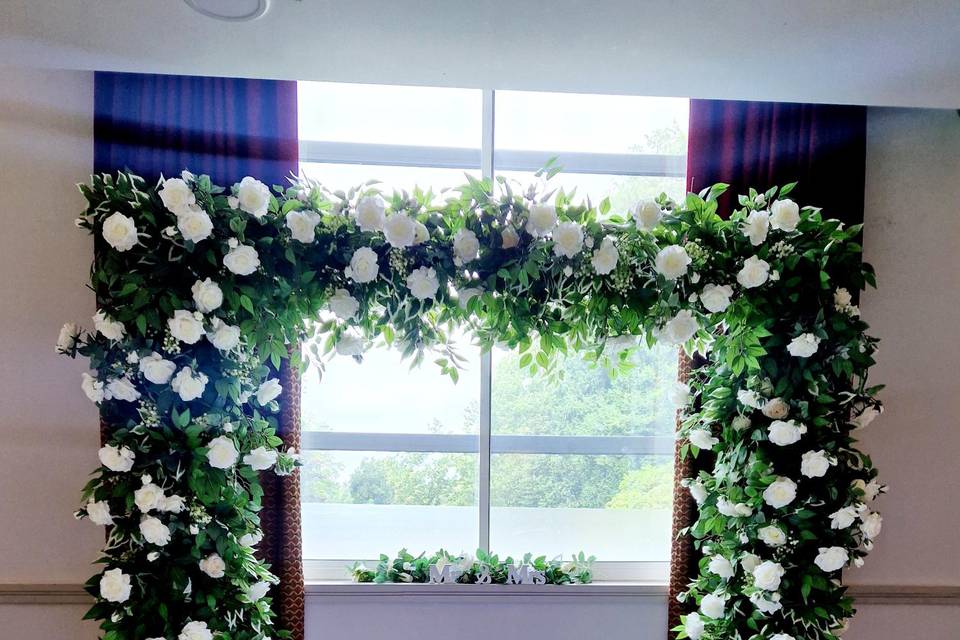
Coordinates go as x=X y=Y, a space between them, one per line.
x=541 y=220
x=260 y=459
x=363 y=265
x=120 y=232
x=371 y=212
x=815 y=464
x=187 y=385
x=865 y=417
x=154 y=531
x=115 y=586
x=672 y=262
x=606 y=257
x=185 y=327
x=148 y=497
x=213 y=565
x=303 y=225
x=119 y=459
x=67 y=339
x=253 y=197
x=400 y=230
x=693 y=626
x=702 y=439
x=647 y=214
x=783 y=433
x=784 y=215
x=222 y=453
x=716 y=298
x=804 y=345
x=780 y=493
x=466 y=246
x=831 y=558
x=753 y=273
x=720 y=566
x=772 y=536
x=172 y=504
x=423 y=283
x=154 y=368
x=257 y=591
x=680 y=328
x=756 y=226
x=268 y=390
x=775 y=409
x=713 y=605
x=567 y=239
x=176 y=194
x=223 y=336
x=107 y=327
x=194 y=223
x=509 y=238
x=196 y=630
x=343 y=305
x=207 y=295
x=767 y=575
x=99 y=512
x=242 y=260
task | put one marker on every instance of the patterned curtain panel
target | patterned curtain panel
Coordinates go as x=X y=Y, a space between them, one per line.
x=764 y=144
x=227 y=128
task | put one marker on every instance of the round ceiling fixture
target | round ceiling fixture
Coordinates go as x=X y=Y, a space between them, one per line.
x=230 y=10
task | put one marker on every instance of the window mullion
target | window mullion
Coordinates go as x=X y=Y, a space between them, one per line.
x=486 y=359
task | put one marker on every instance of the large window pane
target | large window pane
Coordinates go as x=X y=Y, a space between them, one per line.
x=383 y=114
x=340 y=177
x=359 y=504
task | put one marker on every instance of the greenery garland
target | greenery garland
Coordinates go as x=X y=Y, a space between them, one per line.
x=201 y=291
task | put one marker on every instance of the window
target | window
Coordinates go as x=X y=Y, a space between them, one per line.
x=500 y=460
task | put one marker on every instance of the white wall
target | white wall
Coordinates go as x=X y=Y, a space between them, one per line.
x=50 y=434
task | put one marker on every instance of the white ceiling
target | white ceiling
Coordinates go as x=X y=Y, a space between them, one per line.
x=876 y=52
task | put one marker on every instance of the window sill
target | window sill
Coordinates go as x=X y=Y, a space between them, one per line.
x=325 y=589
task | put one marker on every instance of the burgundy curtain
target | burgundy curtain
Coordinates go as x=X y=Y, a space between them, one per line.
x=760 y=145
x=227 y=128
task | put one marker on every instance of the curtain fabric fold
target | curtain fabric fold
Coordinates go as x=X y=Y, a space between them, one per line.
x=226 y=128
x=760 y=145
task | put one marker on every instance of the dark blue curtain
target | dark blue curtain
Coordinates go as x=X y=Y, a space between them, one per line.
x=227 y=128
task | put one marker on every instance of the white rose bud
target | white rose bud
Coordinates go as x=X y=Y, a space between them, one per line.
x=257 y=591
x=872 y=522
x=697 y=491
x=67 y=340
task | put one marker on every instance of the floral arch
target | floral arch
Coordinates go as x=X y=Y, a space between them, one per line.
x=202 y=290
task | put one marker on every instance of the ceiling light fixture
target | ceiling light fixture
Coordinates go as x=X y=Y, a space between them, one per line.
x=230 y=10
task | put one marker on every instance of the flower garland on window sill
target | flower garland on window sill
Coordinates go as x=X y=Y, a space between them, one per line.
x=201 y=290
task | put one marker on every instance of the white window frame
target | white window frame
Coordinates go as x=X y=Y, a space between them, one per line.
x=486 y=444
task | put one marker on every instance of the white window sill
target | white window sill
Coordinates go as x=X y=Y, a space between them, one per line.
x=605 y=589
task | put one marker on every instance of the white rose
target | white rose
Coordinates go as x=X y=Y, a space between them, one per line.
x=250 y=540
x=647 y=214
x=187 y=385
x=766 y=605
x=872 y=523
x=749 y=562
x=831 y=558
x=720 y=566
x=843 y=518
x=672 y=262
x=122 y=389
x=783 y=433
x=120 y=232
x=185 y=326
x=782 y=636
x=509 y=238
x=716 y=298
x=420 y=232
x=678 y=394
x=697 y=491
x=242 y=260
x=702 y=439
x=734 y=510
x=108 y=328
x=780 y=493
x=753 y=273
x=253 y=197
x=194 y=224
x=865 y=417
x=172 y=504
x=541 y=219
x=115 y=586
x=222 y=453
x=423 y=283
x=207 y=295
x=363 y=265
x=349 y=344
x=713 y=605
x=567 y=239
x=767 y=574
x=213 y=565
x=775 y=409
x=99 y=512
x=268 y=390
x=399 y=230
x=343 y=305
x=466 y=246
x=156 y=369
x=371 y=211
x=756 y=227
x=693 y=626
x=223 y=336
x=176 y=194
x=815 y=464
x=804 y=345
x=148 y=497
x=784 y=215
x=154 y=531
x=749 y=398
x=772 y=536
x=680 y=328
x=303 y=225
x=195 y=630
x=257 y=591
x=118 y=459
x=842 y=298
x=260 y=459
x=606 y=257
x=67 y=339
x=740 y=423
